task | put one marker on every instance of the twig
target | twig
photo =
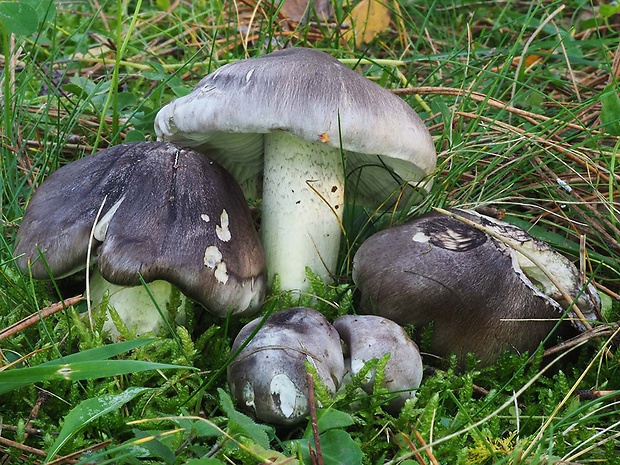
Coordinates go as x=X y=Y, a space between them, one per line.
x=593 y=394
x=589 y=165
x=34 y=413
x=313 y=421
x=27 y=429
x=23 y=447
x=599 y=331
x=428 y=450
x=482 y=98
x=412 y=446
x=36 y=317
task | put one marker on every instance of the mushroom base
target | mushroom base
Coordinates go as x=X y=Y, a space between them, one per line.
x=135 y=307
x=303 y=197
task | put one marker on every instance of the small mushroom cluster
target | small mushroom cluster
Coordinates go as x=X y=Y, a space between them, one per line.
x=291 y=127
x=268 y=377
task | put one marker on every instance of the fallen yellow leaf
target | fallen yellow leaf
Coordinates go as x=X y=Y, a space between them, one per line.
x=368 y=18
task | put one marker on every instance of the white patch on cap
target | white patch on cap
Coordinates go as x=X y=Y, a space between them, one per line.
x=249 y=75
x=248 y=395
x=222 y=230
x=357 y=364
x=213 y=256
x=221 y=272
x=290 y=400
x=421 y=237
x=204 y=217
x=101 y=228
x=213 y=259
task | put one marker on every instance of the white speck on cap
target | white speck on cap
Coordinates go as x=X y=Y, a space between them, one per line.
x=420 y=237
x=213 y=256
x=221 y=272
x=248 y=395
x=222 y=230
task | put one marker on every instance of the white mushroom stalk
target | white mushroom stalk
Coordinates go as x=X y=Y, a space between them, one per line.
x=303 y=197
x=137 y=307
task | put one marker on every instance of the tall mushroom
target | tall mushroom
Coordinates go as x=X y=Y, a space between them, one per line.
x=481 y=295
x=152 y=210
x=304 y=122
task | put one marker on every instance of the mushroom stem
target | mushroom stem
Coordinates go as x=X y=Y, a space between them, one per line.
x=303 y=197
x=137 y=307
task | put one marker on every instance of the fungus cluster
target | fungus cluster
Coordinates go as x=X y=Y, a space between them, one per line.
x=268 y=377
x=304 y=133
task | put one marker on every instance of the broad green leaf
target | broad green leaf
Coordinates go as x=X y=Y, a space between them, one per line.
x=125 y=99
x=18 y=18
x=45 y=10
x=241 y=423
x=337 y=446
x=163 y=4
x=87 y=411
x=135 y=136
x=608 y=10
x=610 y=110
x=330 y=418
x=14 y=379
x=156 y=448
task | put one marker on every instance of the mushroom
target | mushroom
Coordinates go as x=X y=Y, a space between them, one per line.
x=153 y=211
x=303 y=121
x=368 y=337
x=268 y=377
x=481 y=295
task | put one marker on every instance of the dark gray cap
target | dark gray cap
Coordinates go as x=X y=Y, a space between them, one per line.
x=168 y=214
x=368 y=337
x=269 y=376
x=308 y=94
x=480 y=296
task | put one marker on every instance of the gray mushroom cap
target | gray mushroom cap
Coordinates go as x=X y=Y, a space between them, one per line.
x=168 y=214
x=312 y=96
x=295 y=123
x=368 y=337
x=269 y=376
x=472 y=287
